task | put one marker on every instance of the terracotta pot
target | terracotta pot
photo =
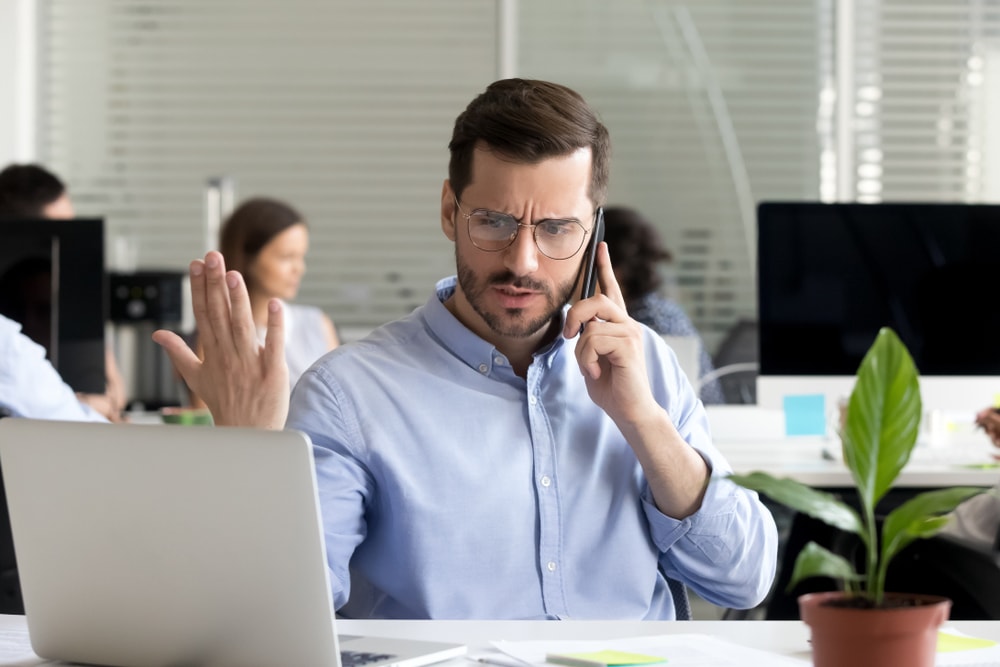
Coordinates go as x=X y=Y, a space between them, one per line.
x=898 y=637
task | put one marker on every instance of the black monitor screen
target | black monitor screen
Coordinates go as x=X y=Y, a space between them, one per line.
x=830 y=275
x=52 y=282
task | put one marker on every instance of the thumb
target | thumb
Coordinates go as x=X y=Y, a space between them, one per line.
x=183 y=358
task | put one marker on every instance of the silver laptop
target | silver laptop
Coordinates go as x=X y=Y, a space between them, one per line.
x=177 y=545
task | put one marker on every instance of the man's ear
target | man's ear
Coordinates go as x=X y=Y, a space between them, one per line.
x=448 y=210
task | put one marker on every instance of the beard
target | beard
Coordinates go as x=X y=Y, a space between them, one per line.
x=511 y=322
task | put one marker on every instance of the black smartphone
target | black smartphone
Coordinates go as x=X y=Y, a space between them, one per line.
x=590 y=261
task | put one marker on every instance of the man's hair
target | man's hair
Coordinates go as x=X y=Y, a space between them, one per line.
x=251 y=227
x=529 y=121
x=26 y=189
x=636 y=251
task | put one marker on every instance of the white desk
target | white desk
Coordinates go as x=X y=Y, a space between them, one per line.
x=753 y=439
x=790 y=638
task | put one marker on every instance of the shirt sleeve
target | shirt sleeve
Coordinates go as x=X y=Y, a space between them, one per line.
x=345 y=485
x=30 y=386
x=726 y=551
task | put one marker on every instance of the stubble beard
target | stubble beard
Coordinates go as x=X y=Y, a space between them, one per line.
x=513 y=322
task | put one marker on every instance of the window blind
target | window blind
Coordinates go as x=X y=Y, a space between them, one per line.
x=712 y=106
x=344 y=109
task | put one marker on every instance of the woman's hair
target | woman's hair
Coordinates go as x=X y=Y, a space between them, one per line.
x=251 y=227
x=529 y=121
x=636 y=251
x=26 y=189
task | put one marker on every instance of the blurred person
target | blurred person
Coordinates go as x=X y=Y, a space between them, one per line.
x=266 y=240
x=637 y=254
x=32 y=191
x=488 y=455
x=977 y=520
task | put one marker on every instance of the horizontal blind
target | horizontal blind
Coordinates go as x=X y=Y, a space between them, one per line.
x=712 y=106
x=342 y=108
x=924 y=71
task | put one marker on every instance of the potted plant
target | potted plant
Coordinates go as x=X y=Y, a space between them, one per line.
x=863 y=625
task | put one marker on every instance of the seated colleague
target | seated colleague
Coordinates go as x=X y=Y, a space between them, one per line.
x=636 y=255
x=482 y=457
x=266 y=241
x=31 y=191
x=977 y=520
x=30 y=386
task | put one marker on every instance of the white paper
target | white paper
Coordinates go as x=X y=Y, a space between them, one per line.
x=688 y=650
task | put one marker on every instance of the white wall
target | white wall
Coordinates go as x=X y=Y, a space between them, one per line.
x=18 y=80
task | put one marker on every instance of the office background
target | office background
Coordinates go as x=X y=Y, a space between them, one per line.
x=345 y=107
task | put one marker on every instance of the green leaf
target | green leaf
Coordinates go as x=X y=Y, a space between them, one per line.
x=805 y=499
x=817 y=561
x=917 y=518
x=883 y=417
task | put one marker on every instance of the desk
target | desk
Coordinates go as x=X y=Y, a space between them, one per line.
x=753 y=438
x=788 y=638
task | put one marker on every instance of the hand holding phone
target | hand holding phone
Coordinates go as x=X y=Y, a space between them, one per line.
x=590 y=261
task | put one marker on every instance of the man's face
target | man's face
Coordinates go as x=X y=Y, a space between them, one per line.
x=516 y=292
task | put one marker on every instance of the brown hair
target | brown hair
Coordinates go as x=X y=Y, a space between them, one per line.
x=529 y=121
x=636 y=251
x=251 y=227
x=26 y=189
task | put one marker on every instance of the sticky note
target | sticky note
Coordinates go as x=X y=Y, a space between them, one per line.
x=609 y=658
x=805 y=414
x=949 y=643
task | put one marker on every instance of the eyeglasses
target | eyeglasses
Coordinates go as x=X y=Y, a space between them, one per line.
x=492 y=231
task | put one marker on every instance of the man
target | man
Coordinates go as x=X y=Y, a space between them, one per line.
x=29 y=385
x=483 y=457
x=31 y=191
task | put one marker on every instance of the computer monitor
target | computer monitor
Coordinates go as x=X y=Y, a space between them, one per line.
x=831 y=275
x=52 y=281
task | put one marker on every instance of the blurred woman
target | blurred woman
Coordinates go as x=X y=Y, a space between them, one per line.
x=266 y=240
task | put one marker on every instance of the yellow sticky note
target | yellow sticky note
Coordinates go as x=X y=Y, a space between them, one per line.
x=996 y=400
x=949 y=643
x=608 y=658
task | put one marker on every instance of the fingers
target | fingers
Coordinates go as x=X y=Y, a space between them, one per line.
x=217 y=302
x=607 y=305
x=274 y=343
x=244 y=331
x=184 y=359
x=606 y=276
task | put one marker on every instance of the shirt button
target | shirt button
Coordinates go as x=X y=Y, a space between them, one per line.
x=483 y=368
x=532 y=399
x=551 y=566
x=498 y=361
x=546 y=480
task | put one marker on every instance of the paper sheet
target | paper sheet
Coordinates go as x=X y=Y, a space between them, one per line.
x=687 y=650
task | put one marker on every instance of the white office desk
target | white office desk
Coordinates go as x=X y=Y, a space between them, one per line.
x=753 y=439
x=790 y=638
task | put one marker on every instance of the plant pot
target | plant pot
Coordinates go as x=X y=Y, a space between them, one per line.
x=894 y=637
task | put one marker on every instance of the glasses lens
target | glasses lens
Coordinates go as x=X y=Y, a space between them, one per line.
x=492 y=231
x=559 y=239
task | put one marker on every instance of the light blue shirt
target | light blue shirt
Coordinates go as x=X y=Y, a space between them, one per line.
x=29 y=385
x=452 y=488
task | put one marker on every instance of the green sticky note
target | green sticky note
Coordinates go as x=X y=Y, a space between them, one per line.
x=948 y=643
x=608 y=658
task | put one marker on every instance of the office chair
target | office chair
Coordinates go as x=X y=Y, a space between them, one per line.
x=967 y=574
x=736 y=362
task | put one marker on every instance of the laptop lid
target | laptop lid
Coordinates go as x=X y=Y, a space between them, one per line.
x=171 y=545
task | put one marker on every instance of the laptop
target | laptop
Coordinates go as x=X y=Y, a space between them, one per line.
x=164 y=545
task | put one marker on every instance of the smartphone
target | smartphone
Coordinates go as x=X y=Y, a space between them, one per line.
x=590 y=261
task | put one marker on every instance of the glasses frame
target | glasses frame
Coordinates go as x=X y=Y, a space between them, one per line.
x=531 y=225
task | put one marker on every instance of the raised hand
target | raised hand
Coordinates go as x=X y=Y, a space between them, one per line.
x=241 y=382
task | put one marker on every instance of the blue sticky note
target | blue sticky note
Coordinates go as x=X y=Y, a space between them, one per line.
x=805 y=414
